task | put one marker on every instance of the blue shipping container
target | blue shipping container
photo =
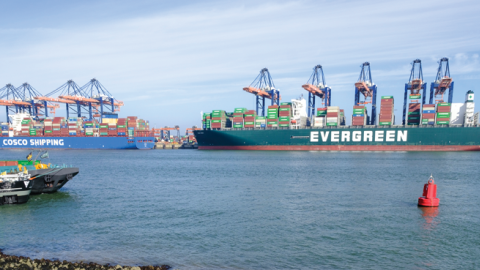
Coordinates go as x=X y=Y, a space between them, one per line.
x=359 y=115
x=428 y=111
x=121 y=133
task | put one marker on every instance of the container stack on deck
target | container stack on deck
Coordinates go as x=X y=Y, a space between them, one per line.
x=249 y=121
x=443 y=113
x=428 y=114
x=260 y=121
x=219 y=119
x=285 y=114
x=386 y=111
x=238 y=117
x=206 y=120
x=359 y=117
x=122 y=127
x=319 y=120
x=413 y=114
x=333 y=116
x=272 y=116
x=4 y=127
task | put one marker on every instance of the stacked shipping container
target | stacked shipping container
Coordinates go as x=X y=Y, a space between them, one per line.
x=428 y=114
x=219 y=119
x=413 y=114
x=359 y=117
x=443 y=113
x=386 y=117
x=285 y=114
x=272 y=116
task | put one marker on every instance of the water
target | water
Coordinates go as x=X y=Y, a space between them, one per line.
x=253 y=210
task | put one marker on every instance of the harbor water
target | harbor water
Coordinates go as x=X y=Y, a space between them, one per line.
x=253 y=210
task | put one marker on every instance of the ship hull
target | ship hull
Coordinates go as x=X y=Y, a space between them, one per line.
x=77 y=142
x=51 y=180
x=15 y=193
x=398 y=138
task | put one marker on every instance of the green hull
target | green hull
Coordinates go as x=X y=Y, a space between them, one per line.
x=399 y=138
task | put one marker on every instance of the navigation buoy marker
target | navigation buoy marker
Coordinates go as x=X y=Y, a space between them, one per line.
x=429 y=198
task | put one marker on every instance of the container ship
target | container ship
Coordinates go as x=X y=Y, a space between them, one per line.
x=95 y=124
x=435 y=125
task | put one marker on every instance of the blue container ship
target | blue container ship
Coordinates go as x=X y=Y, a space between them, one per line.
x=78 y=142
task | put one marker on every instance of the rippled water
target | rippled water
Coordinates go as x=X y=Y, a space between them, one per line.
x=253 y=210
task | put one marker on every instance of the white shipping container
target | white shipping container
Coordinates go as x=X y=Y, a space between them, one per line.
x=457 y=113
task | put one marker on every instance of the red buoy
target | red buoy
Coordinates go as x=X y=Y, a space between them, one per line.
x=429 y=194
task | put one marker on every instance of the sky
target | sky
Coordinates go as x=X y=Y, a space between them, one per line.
x=170 y=60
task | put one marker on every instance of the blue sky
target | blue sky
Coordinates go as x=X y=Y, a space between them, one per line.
x=169 y=61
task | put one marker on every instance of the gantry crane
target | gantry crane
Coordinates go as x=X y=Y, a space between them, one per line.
x=262 y=87
x=442 y=82
x=21 y=100
x=368 y=89
x=415 y=85
x=190 y=130
x=317 y=87
x=165 y=131
x=8 y=94
x=100 y=98
x=64 y=93
x=37 y=107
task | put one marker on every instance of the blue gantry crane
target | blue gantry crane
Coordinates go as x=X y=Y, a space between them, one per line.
x=415 y=85
x=263 y=88
x=442 y=83
x=65 y=94
x=317 y=87
x=37 y=107
x=105 y=102
x=8 y=94
x=368 y=89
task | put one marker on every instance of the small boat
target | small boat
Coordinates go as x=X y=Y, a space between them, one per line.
x=15 y=188
x=47 y=178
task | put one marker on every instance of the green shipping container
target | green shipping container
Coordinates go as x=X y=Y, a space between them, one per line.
x=260 y=118
x=272 y=116
x=284 y=125
x=413 y=124
x=443 y=122
x=121 y=126
x=385 y=123
x=358 y=111
x=443 y=114
x=90 y=133
x=387 y=97
x=414 y=118
x=415 y=97
x=286 y=103
x=410 y=113
x=444 y=104
x=249 y=115
x=284 y=109
x=103 y=133
x=216 y=121
x=48 y=131
x=249 y=123
x=238 y=126
x=218 y=111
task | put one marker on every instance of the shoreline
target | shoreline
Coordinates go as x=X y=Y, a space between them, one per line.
x=10 y=262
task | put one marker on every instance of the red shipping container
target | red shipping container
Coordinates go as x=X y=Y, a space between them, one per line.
x=249 y=119
x=332 y=114
x=273 y=107
x=11 y=163
x=2 y=163
x=323 y=109
x=428 y=116
x=249 y=126
x=443 y=109
x=284 y=113
x=272 y=120
x=285 y=106
x=359 y=107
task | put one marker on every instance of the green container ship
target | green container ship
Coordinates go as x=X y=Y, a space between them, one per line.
x=347 y=138
x=438 y=126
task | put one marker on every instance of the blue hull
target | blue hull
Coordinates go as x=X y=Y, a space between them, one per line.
x=77 y=142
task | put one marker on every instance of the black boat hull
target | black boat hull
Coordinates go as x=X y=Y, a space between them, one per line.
x=51 y=180
x=15 y=193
